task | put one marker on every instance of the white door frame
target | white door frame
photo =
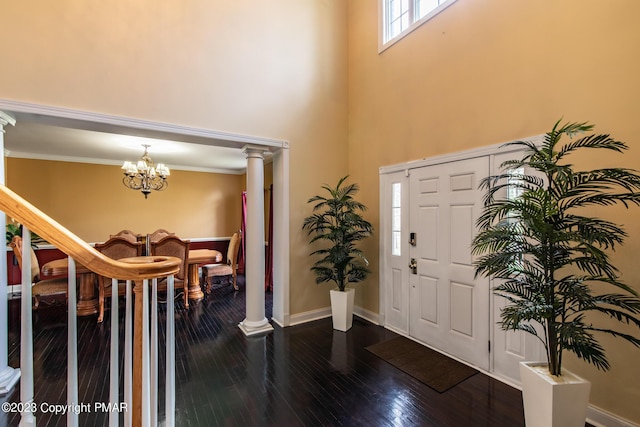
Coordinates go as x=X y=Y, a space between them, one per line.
x=489 y=151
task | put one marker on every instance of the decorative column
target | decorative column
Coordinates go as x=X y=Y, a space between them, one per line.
x=8 y=376
x=255 y=321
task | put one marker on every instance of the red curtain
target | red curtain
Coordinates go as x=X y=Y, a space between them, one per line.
x=268 y=270
x=243 y=232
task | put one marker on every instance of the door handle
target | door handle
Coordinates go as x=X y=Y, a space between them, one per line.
x=413 y=265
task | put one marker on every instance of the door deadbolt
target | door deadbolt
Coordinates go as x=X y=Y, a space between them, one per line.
x=413 y=265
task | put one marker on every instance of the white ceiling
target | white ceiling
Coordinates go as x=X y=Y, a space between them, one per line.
x=41 y=137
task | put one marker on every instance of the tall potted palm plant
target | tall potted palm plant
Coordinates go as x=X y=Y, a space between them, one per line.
x=550 y=258
x=337 y=224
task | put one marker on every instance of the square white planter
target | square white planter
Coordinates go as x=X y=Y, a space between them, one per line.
x=342 y=308
x=551 y=401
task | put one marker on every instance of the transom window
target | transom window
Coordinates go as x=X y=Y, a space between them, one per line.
x=399 y=17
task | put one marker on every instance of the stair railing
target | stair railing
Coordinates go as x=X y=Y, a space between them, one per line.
x=140 y=404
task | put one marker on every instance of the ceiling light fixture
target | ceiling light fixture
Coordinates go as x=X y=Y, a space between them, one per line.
x=144 y=175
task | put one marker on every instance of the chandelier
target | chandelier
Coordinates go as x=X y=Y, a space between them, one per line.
x=145 y=175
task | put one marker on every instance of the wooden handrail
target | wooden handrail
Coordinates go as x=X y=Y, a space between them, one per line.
x=37 y=221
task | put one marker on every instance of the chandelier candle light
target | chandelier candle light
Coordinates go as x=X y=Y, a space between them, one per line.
x=145 y=175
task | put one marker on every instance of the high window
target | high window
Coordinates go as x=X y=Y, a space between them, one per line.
x=399 y=17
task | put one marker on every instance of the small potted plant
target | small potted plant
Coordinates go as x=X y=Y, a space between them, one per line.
x=14 y=229
x=550 y=262
x=337 y=223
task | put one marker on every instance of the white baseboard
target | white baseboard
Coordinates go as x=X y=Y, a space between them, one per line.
x=367 y=315
x=601 y=418
x=323 y=313
x=310 y=316
x=284 y=323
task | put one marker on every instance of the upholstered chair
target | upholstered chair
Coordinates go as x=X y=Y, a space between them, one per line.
x=228 y=271
x=115 y=248
x=172 y=245
x=127 y=235
x=39 y=287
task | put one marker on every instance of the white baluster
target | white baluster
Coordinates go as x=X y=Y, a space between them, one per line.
x=170 y=368
x=128 y=355
x=154 y=351
x=26 y=336
x=72 y=346
x=113 y=364
x=146 y=402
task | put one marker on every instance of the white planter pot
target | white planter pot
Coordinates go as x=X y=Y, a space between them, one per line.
x=342 y=308
x=551 y=401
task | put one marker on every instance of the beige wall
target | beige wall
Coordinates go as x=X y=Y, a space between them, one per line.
x=489 y=71
x=483 y=72
x=272 y=69
x=91 y=201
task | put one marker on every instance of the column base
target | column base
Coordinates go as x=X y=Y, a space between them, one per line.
x=255 y=328
x=8 y=378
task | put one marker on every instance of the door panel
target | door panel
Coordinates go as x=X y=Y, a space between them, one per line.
x=462 y=232
x=428 y=299
x=429 y=223
x=449 y=308
x=462 y=308
x=397 y=287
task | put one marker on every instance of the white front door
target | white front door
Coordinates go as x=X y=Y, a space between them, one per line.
x=449 y=307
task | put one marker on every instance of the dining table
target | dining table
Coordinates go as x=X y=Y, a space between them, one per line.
x=199 y=257
x=87 y=293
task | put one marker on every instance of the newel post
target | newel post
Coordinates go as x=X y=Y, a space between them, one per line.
x=8 y=376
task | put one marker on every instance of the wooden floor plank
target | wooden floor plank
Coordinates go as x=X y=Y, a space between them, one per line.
x=306 y=375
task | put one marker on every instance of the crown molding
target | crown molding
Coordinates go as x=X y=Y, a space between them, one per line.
x=100 y=122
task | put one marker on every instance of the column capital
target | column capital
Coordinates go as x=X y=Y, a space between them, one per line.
x=6 y=119
x=254 y=151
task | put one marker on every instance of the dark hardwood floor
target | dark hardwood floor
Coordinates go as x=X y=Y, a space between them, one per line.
x=306 y=375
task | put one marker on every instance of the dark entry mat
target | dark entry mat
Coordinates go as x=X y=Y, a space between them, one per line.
x=430 y=367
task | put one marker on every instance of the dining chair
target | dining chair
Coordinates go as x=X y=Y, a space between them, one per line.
x=226 y=271
x=159 y=234
x=39 y=287
x=172 y=245
x=127 y=235
x=155 y=237
x=115 y=248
